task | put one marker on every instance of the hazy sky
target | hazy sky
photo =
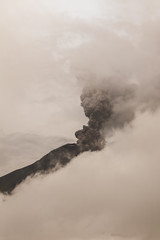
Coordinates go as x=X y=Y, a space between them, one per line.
x=50 y=50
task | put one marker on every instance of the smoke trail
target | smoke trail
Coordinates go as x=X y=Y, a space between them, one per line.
x=98 y=109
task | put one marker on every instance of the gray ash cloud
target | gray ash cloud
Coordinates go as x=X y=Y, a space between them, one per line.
x=107 y=107
x=98 y=109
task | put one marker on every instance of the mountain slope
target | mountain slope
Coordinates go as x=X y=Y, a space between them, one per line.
x=50 y=162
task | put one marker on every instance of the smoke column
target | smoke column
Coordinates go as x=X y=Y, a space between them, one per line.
x=108 y=107
x=98 y=109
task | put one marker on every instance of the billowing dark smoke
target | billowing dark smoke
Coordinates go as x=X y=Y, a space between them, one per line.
x=107 y=107
x=98 y=109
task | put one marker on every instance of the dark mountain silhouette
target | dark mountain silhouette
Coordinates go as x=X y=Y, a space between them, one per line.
x=50 y=162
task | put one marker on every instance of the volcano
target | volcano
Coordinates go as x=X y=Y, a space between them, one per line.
x=97 y=108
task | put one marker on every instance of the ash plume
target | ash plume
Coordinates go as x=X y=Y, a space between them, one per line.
x=98 y=109
x=108 y=107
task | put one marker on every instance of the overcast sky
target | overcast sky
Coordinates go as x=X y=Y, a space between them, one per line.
x=50 y=50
